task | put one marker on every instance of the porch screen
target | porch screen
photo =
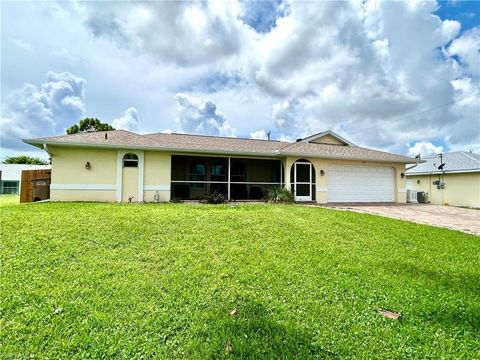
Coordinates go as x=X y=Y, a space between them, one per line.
x=193 y=177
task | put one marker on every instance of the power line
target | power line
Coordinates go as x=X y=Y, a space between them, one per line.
x=419 y=113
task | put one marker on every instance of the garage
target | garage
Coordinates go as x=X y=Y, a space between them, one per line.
x=355 y=183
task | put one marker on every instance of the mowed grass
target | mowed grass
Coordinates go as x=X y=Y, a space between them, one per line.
x=86 y=280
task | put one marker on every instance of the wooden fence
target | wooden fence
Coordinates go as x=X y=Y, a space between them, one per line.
x=35 y=185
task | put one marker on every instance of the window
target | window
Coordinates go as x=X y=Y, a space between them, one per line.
x=130 y=160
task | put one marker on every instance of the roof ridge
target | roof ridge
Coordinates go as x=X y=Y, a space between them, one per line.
x=214 y=136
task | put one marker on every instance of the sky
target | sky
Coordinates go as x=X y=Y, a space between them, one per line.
x=395 y=76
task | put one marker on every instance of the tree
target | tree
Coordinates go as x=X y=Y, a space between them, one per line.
x=24 y=159
x=89 y=124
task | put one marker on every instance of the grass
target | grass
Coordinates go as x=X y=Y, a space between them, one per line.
x=6 y=200
x=86 y=280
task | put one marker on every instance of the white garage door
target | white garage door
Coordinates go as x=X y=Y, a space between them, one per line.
x=348 y=183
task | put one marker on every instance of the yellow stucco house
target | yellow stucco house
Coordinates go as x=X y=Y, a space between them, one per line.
x=121 y=166
x=457 y=183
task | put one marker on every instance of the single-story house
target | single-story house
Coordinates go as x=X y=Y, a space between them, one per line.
x=11 y=176
x=457 y=183
x=121 y=166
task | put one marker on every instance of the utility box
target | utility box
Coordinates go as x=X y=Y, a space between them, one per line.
x=421 y=197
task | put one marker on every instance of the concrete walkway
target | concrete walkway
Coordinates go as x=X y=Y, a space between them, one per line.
x=466 y=220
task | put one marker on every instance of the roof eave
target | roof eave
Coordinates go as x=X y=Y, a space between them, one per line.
x=324 y=156
x=462 y=171
x=39 y=143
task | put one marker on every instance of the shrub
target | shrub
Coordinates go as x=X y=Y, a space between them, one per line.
x=277 y=194
x=214 y=197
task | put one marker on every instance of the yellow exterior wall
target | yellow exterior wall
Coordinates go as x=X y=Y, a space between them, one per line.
x=157 y=175
x=460 y=189
x=83 y=195
x=68 y=170
x=68 y=165
x=321 y=182
x=328 y=139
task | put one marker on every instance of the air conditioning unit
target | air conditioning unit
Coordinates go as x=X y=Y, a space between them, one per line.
x=412 y=196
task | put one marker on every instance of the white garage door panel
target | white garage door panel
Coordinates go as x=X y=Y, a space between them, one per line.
x=347 y=183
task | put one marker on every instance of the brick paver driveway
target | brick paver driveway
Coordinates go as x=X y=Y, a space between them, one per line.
x=466 y=220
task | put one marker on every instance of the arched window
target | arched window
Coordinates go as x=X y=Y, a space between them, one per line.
x=130 y=160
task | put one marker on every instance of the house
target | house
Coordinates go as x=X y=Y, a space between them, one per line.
x=458 y=183
x=122 y=166
x=11 y=175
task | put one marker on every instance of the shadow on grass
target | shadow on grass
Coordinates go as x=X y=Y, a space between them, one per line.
x=254 y=333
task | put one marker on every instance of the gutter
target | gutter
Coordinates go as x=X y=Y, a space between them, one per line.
x=413 y=166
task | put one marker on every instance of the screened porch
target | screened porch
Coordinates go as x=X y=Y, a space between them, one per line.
x=193 y=177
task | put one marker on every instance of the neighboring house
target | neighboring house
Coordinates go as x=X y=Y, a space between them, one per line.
x=11 y=176
x=121 y=165
x=458 y=184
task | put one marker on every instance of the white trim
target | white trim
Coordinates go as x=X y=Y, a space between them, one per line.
x=226 y=182
x=82 y=187
x=156 y=188
x=309 y=183
x=441 y=173
x=402 y=191
x=118 y=194
x=141 y=169
x=141 y=172
x=328 y=132
x=321 y=189
x=229 y=177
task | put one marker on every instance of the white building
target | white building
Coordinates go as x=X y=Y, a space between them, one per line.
x=11 y=176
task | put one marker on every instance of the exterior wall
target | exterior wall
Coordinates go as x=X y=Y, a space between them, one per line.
x=107 y=180
x=157 y=176
x=328 y=139
x=460 y=189
x=321 y=182
x=71 y=181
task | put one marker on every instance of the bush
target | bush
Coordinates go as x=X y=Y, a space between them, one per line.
x=214 y=197
x=278 y=194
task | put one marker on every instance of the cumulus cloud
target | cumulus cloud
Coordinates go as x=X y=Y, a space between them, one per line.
x=259 y=135
x=42 y=110
x=467 y=48
x=358 y=68
x=128 y=121
x=201 y=116
x=424 y=149
x=185 y=33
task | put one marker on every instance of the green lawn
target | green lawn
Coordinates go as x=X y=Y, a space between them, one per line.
x=86 y=280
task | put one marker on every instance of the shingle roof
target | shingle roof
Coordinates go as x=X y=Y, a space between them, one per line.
x=460 y=161
x=216 y=144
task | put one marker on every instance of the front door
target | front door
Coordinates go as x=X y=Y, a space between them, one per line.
x=303 y=181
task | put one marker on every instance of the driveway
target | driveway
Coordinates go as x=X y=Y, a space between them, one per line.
x=466 y=220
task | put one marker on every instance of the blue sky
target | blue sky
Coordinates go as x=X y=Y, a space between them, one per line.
x=245 y=68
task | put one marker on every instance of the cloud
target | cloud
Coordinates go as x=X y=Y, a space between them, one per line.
x=200 y=116
x=184 y=33
x=42 y=110
x=424 y=149
x=467 y=48
x=128 y=121
x=23 y=45
x=259 y=135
